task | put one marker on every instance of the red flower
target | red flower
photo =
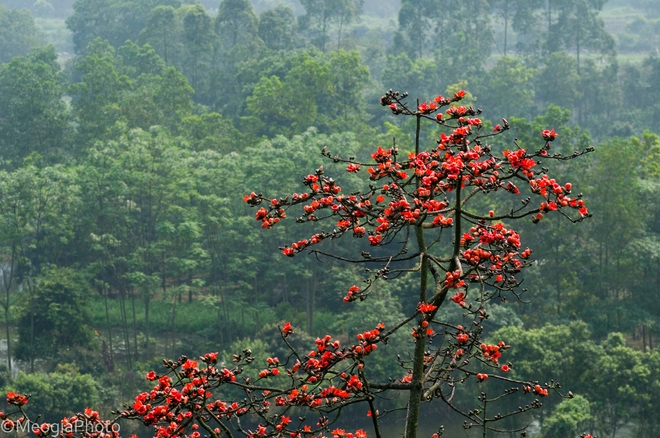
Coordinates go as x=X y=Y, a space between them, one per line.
x=351 y=295
x=16 y=399
x=540 y=391
x=426 y=307
x=287 y=329
x=549 y=135
x=482 y=377
x=505 y=368
x=375 y=240
x=459 y=298
x=210 y=358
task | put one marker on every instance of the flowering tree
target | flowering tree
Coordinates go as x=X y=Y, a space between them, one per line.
x=422 y=214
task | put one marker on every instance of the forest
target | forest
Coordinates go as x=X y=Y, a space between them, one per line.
x=131 y=130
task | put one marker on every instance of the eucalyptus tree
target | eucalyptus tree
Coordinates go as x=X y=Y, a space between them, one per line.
x=33 y=115
x=277 y=28
x=36 y=207
x=197 y=39
x=162 y=31
x=18 y=33
x=321 y=15
x=579 y=27
x=113 y=20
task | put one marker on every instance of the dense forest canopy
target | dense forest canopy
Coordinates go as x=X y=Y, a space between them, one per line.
x=130 y=130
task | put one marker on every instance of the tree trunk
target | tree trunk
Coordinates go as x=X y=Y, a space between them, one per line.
x=124 y=320
x=107 y=318
x=135 y=341
x=147 y=302
x=8 y=335
x=7 y=283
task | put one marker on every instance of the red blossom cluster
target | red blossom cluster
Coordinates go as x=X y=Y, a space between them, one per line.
x=493 y=352
x=16 y=399
x=536 y=389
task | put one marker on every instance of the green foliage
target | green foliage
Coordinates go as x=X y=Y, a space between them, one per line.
x=96 y=96
x=162 y=32
x=197 y=40
x=55 y=316
x=416 y=25
x=321 y=15
x=33 y=116
x=18 y=33
x=508 y=90
x=211 y=131
x=113 y=20
x=133 y=86
x=557 y=81
x=616 y=378
x=564 y=353
x=316 y=91
x=58 y=394
x=236 y=27
x=568 y=418
x=276 y=28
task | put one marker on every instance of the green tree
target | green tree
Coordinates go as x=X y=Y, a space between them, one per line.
x=568 y=418
x=277 y=28
x=555 y=294
x=153 y=171
x=321 y=15
x=135 y=60
x=600 y=86
x=509 y=91
x=416 y=28
x=211 y=131
x=113 y=20
x=33 y=116
x=18 y=33
x=516 y=14
x=57 y=394
x=162 y=31
x=419 y=77
x=96 y=97
x=197 y=38
x=617 y=168
x=548 y=353
x=275 y=110
x=37 y=204
x=316 y=91
x=463 y=50
x=55 y=316
x=650 y=96
x=648 y=396
x=348 y=77
x=158 y=100
x=615 y=379
x=236 y=25
x=580 y=27
x=557 y=81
